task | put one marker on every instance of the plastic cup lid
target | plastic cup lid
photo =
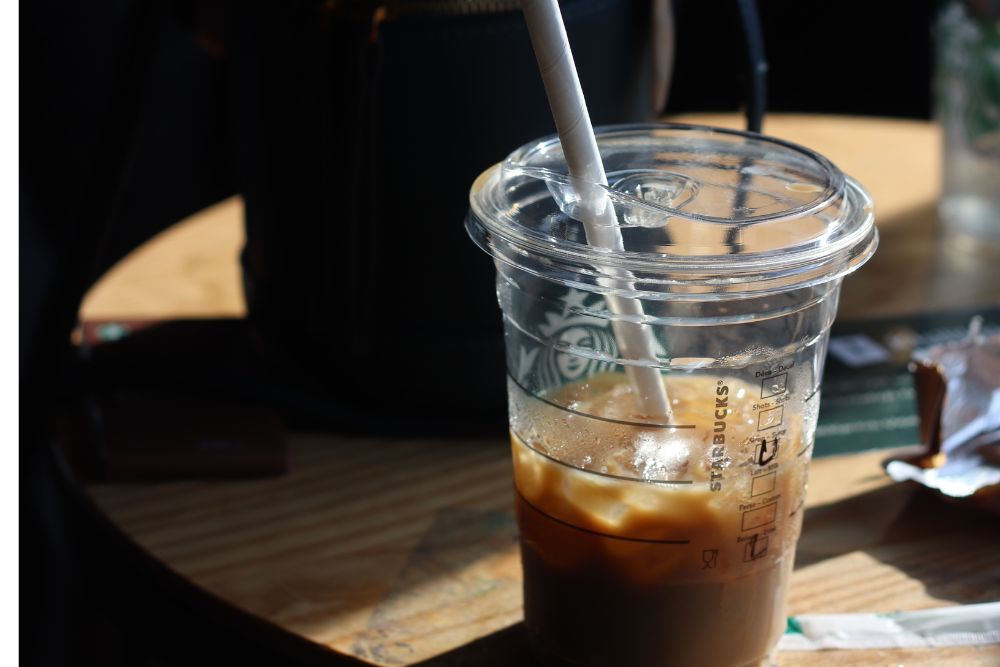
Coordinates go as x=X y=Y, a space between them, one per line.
x=704 y=213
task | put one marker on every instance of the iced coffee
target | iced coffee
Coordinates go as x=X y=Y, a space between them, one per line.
x=654 y=536
x=652 y=545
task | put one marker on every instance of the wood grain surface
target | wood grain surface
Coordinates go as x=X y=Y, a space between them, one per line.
x=189 y=270
x=396 y=550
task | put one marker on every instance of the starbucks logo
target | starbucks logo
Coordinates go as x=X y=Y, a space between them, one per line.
x=580 y=344
x=565 y=362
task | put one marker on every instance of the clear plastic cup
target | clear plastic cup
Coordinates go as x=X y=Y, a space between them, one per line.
x=666 y=540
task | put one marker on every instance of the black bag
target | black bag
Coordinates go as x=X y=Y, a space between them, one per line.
x=361 y=130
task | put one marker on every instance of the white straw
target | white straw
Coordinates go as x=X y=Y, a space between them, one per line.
x=562 y=86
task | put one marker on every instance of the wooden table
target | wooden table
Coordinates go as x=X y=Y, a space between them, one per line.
x=396 y=550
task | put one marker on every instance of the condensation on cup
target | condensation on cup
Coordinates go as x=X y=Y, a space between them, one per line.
x=666 y=539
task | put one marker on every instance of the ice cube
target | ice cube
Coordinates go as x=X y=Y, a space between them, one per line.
x=660 y=455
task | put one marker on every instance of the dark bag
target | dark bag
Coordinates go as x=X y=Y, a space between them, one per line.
x=361 y=129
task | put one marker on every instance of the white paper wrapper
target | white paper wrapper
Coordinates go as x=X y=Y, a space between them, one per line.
x=966 y=625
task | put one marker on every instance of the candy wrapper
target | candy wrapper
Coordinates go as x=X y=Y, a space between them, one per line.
x=958 y=398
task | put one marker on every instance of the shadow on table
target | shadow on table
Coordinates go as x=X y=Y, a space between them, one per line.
x=951 y=549
x=500 y=649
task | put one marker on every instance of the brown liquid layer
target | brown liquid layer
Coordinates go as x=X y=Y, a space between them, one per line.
x=657 y=572
x=590 y=614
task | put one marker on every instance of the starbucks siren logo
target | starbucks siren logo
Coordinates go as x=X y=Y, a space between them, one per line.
x=575 y=330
